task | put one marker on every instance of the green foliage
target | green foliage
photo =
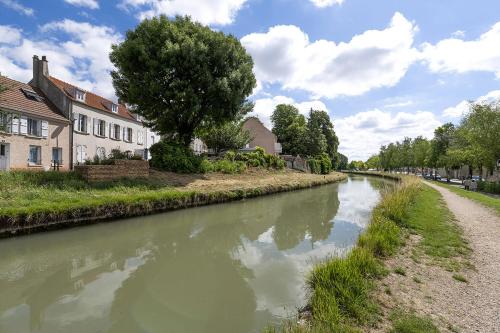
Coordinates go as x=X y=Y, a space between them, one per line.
x=182 y=76
x=460 y=278
x=343 y=162
x=411 y=323
x=115 y=154
x=230 y=135
x=320 y=165
x=174 y=156
x=489 y=187
x=400 y=271
x=224 y=166
x=289 y=126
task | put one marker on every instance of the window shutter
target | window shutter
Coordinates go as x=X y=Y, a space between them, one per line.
x=95 y=126
x=45 y=129
x=89 y=123
x=79 y=154
x=112 y=130
x=131 y=135
x=84 y=153
x=123 y=131
x=24 y=126
x=15 y=125
x=104 y=124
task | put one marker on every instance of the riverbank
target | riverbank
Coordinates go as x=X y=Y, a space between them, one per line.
x=381 y=286
x=31 y=202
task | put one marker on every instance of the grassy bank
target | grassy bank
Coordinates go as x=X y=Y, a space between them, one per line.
x=37 y=200
x=341 y=289
x=481 y=198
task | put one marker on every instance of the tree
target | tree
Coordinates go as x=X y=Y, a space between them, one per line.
x=225 y=137
x=421 y=148
x=321 y=120
x=182 y=76
x=289 y=126
x=373 y=162
x=343 y=162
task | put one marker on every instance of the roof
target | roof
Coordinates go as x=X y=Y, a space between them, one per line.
x=92 y=100
x=19 y=97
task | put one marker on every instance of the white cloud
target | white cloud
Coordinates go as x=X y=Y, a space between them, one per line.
x=218 y=12
x=458 y=34
x=264 y=107
x=77 y=53
x=401 y=104
x=92 y=4
x=13 y=4
x=9 y=35
x=461 y=109
x=326 y=3
x=362 y=134
x=373 y=59
x=459 y=56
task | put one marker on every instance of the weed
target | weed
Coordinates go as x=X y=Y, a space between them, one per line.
x=400 y=271
x=417 y=280
x=460 y=278
x=411 y=323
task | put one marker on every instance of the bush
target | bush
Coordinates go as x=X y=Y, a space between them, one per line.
x=173 y=156
x=489 y=187
x=320 y=165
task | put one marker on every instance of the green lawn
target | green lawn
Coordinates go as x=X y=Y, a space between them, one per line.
x=481 y=198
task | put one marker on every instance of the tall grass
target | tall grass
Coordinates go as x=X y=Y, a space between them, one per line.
x=340 y=288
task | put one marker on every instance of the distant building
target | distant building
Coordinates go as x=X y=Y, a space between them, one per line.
x=261 y=137
x=33 y=133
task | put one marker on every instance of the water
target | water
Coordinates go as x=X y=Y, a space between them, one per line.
x=226 y=268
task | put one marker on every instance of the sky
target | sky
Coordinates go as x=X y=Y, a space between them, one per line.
x=382 y=69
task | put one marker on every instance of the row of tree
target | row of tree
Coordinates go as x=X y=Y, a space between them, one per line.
x=308 y=137
x=475 y=143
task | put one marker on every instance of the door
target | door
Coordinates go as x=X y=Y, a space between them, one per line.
x=4 y=156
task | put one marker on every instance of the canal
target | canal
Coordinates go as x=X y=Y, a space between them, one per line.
x=231 y=268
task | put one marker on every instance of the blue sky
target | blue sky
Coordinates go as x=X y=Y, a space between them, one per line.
x=382 y=69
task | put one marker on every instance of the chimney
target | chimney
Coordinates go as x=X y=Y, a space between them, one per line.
x=35 y=70
x=45 y=66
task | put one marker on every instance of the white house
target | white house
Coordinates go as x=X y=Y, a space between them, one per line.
x=99 y=125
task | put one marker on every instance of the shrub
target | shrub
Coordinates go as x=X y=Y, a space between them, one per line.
x=489 y=187
x=173 y=156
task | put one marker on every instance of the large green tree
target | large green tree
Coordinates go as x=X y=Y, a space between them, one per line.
x=290 y=128
x=181 y=76
x=230 y=135
x=321 y=120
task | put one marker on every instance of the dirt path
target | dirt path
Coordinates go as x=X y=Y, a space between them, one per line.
x=431 y=291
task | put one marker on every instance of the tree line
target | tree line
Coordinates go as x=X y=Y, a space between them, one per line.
x=474 y=142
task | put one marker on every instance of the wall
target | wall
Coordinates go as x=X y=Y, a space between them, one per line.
x=120 y=169
x=19 y=147
x=261 y=136
x=92 y=142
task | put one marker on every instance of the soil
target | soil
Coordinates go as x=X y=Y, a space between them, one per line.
x=430 y=290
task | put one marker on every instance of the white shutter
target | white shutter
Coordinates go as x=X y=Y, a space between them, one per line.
x=139 y=137
x=76 y=118
x=95 y=126
x=111 y=131
x=123 y=131
x=79 y=154
x=24 y=125
x=45 y=129
x=84 y=153
x=89 y=123
x=15 y=125
x=132 y=135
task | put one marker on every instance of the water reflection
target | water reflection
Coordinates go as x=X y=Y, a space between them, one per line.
x=225 y=268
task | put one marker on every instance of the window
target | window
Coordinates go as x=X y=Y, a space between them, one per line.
x=2 y=150
x=5 y=122
x=79 y=95
x=128 y=134
x=114 y=108
x=35 y=156
x=101 y=128
x=34 y=127
x=82 y=123
x=116 y=132
x=81 y=154
x=101 y=153
x=32 y=95
x=57 y=155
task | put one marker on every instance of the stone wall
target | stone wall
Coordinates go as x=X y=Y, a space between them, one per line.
x=120 y=169
x=296 y=163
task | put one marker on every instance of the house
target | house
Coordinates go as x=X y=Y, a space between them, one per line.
x=99 y=125
x=261 y=136
x=33 y=133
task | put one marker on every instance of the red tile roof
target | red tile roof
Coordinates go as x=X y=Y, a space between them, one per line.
x=13 y=98
x=93 y=100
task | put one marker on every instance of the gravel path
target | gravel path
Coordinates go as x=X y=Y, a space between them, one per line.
x=431 y=291
x=476 y=307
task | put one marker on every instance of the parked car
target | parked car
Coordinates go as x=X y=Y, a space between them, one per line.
x=477 y=178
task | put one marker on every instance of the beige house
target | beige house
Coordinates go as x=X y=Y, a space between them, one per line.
x=33 y=134
x=99 y=125
x=261 y=136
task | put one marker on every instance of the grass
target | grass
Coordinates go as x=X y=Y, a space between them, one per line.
x=481 y=198
x=441 y=238
x=417 y=280
x=460 y=278
x=39 y=198
x=400 y=271
x=411 y=323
